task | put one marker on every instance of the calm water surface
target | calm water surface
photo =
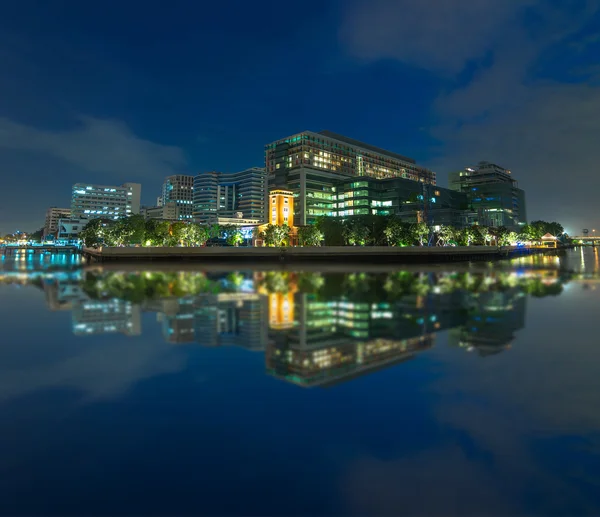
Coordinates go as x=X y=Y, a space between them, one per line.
x=467 y=389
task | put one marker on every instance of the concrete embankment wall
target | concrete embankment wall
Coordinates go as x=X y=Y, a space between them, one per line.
x=325 y=254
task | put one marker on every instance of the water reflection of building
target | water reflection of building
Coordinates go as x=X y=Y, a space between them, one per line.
x=333 y=341
x=226 y=319
x=491 y=322
x=106 y=316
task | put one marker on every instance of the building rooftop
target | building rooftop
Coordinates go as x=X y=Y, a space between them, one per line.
x=358 y=143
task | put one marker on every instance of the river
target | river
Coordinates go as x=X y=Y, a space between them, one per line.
x=463 y=389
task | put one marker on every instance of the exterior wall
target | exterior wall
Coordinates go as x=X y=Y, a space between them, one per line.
x=168 y=212
x=68 y=229
x=312 y=164
x=218 y=194
x=281 y=208
x=493 y=192
x=410 y=200
x=53 y=215
x=112 y=202
x=179 y=189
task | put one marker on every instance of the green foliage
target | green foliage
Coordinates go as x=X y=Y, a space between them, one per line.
x=398 y=233
x=157 y=232
x=310 y=236
x=94 y=231
x=356 y=234
x=420 y=232
x=332 y=230
x=445 y=234
x=275 y=235
x=234 y=236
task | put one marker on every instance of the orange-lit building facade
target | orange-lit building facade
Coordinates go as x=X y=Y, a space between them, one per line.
x=281 y=212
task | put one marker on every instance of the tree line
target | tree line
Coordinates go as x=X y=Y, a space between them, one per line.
x=135 y=230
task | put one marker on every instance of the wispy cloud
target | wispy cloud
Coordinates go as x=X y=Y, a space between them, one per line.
x=101 y=147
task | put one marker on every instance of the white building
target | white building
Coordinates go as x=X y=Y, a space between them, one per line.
x=68 y=229
x=105 y=201
x=167 y=212
x=179 y=189
x=53 y=214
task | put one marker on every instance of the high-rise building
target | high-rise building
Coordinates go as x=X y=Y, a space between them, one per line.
x=310 y=164
x=53 y=214
x=179 y=189
x=220 y=194
x=493 y=193
x=105 y=201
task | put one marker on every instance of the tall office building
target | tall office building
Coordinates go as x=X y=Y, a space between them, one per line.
x=105 y=201
x=310 y=164
x=179 y=189
x=492 y=192
x=220 y=194
x=53 y=214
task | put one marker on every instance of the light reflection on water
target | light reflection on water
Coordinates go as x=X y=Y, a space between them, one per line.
x=462 y=389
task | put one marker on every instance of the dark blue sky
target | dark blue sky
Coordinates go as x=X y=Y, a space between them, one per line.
x=109 y=92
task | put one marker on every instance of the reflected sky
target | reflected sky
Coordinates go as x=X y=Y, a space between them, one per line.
x=469 y=389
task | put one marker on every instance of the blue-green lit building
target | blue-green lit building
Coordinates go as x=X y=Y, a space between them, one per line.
x=410 y=201
x=493 y=193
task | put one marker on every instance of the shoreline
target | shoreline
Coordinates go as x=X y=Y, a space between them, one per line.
x=314 y=255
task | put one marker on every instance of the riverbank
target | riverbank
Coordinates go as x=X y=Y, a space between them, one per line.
x=324 y=254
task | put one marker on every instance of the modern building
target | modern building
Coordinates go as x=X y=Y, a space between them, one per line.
x=493 y=193
x=53 y=214
x=105 y=201
x=220 y=194
x=179 y=189
x=411 y=201
x=167 y=212
x=310 y=164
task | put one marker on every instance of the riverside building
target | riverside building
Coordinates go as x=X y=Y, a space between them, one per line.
x=179 y=189
x=226 y=195
x=492 y=191
x=311 y=164
x=90 y=201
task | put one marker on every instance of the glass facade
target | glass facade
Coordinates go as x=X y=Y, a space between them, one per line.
x=493 y=192
x=310 y=164
x=409 y=200
x=220 y=194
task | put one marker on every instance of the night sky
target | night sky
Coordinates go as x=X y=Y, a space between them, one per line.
x=108 y=92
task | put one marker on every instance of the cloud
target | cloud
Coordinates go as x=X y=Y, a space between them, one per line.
x=432 y=34
x=522 y=106
x=96 y=146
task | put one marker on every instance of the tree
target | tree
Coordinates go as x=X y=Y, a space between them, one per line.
x=332 y=229
x=398 y=233
x=466 y=236
x=275 y=235
x=194 y=235
x=94 y=231
x=37 y=235
x=420 y=232
x=355 y=233
x=178 y=233
x=156 y=232
x=234 y=236
x=309 y=236
x=444 y=235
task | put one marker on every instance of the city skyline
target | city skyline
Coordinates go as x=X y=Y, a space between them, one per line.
x=515 y=85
